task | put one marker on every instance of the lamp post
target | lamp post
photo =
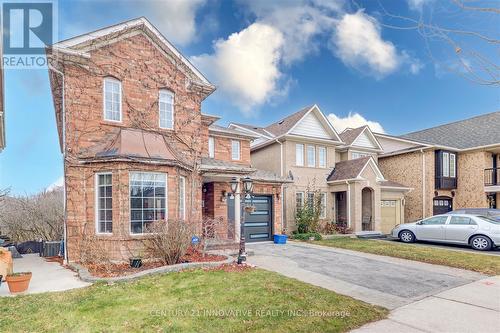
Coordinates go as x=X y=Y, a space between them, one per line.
x=247 y=191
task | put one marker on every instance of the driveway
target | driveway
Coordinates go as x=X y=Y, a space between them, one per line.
x=380 y=280
x=47 y=276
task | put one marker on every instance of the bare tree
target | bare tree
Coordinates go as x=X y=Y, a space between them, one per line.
x=460 y=36
x=34 y=217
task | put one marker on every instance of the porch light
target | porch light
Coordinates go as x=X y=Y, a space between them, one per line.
x=247 y=184
x=234 y=184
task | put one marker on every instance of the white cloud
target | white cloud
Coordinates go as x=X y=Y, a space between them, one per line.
x=58 y=183
x=175 y=18
x=417 y=5
x=245 y=67
x=358 y=43
x=353 y=120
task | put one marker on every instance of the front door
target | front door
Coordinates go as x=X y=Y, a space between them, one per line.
x=432 y=228
x=442 y=205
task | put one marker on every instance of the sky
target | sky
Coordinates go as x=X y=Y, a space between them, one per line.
x=362 y=62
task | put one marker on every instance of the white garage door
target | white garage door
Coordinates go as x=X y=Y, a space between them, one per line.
x=390 y=215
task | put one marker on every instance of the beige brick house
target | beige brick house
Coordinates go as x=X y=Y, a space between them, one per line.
x=342 y=167
x=451 y=166
x=138 y=149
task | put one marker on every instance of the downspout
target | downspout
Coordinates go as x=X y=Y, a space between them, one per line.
x=63 y=121
x=348 y=203
x=423 y=183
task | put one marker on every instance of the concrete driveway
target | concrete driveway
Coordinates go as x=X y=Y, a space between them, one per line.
x=47 y=276
x=380 y=280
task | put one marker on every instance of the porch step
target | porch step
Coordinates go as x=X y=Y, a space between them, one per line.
x=223 y=245
x=370 y=234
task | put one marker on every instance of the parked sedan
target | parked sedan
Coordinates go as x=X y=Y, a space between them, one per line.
x=488 y=212
x=480 y=232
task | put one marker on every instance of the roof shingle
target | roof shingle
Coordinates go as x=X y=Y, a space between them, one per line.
x=348 y=169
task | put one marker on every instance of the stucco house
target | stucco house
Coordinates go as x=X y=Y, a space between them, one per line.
x=343 y=167
x=137 y=147
x=451 y=166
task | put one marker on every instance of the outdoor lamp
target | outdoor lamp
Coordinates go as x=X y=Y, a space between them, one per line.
x=247 y=184
x=234 y=184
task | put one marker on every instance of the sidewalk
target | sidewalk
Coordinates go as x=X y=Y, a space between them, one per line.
x=474 y=307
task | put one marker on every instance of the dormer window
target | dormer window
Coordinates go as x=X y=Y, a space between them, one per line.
x=166 y=106
x=112 y=99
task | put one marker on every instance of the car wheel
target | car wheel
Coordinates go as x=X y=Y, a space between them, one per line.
x=480 y=243
x=406 y=236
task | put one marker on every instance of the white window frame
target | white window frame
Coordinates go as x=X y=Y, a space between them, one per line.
x=182 y=197
x=301 y=199
x=160 y=102
x=322 y=157
x=234 y=156
x=453 y=168
x=446 y=164
x=211 y=147
x=322 y=213
x=311 y=149
x=97 y=197
x=299 y=154
x=129 y=199
x=111 y=80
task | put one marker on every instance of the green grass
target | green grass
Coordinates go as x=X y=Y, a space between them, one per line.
x=182 y=302
x=482 y=263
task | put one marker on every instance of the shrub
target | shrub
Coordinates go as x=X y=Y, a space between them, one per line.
x=168 y=241
x=306 y=236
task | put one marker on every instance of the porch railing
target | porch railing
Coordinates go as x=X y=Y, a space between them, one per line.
x=491 y=176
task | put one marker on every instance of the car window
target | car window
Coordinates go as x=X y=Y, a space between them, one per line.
x=461 y=220
x=489 y=220
x=435 y=220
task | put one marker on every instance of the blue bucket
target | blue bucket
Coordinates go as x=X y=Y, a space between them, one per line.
x=280 y=239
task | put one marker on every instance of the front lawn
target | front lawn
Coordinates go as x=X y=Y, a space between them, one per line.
x=482 y=263
x=252 y=300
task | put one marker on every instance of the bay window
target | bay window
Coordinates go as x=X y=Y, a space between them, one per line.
x=148 y=195
x=104 y=203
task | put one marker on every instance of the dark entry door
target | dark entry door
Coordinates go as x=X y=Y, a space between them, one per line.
x=258 y=225
x=442 y=205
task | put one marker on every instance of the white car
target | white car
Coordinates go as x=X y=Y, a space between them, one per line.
x=480 y=232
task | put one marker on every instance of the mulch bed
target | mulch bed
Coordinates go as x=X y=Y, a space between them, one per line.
x=121 y=269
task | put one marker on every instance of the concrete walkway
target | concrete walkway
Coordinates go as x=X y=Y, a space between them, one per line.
x=474 y=307
x=385 y=281
x=47 y=276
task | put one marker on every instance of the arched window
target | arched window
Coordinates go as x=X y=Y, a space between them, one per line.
x=112 y=99
x=166 y=109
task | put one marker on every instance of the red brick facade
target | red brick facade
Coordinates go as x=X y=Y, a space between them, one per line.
x=143 y=69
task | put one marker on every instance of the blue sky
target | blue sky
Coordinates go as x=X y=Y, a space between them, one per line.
x=269 y=59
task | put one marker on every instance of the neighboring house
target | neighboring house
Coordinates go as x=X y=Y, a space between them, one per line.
x=451 y=166
x=138 y=149
x=343 y=168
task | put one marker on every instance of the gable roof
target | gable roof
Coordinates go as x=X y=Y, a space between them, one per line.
x=225 y=131
x=80 y=45
x=254 y=129
x=284 y=125
x=483 y=130
x=351 y=137
x=352 y=169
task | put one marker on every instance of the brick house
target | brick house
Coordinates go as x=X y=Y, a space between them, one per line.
x=137 y=147
x=341 y=168
x=451 y=166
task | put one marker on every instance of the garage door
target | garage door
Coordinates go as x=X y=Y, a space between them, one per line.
x=258 y=225
x=390 y=212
